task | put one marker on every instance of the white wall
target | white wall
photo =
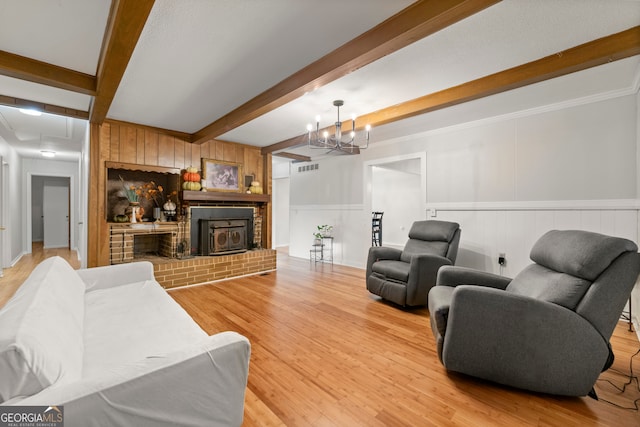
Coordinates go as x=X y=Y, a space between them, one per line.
x=15 y=211
x=635 y=294
x=83 y=197
x=280 y=172
x=280 y=226
x=505 y=179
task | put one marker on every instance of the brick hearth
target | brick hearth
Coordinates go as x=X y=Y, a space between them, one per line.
x=172 y=273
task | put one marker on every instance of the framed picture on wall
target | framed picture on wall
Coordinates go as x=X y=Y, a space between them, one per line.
x=222 y=176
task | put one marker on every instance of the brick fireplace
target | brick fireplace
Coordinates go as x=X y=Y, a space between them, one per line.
x=129 y=242
x=175 y=247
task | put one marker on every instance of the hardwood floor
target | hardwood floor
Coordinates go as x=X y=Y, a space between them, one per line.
x=327 y=353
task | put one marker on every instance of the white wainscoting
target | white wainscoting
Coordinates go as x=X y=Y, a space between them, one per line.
x=513 y=228
x=489 y=229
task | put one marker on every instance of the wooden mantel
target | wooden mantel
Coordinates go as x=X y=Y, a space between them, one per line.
x=220 y=196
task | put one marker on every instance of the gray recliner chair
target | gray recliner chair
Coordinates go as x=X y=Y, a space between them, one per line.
x=548 y=329
x=405 y=276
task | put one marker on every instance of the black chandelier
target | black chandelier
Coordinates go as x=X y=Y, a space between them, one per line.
x=336 y=142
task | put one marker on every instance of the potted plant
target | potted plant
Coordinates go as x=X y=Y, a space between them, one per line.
x=322 y=231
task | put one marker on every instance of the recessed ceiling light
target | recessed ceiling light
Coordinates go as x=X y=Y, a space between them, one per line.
x=30 y=111
x=48 y=153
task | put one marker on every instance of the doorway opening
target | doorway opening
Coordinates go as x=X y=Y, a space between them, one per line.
x=51 y=211
x=397 y=187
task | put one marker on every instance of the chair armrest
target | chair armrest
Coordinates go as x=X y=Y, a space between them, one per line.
x=423 y=271
x=377 y=253
x=522 y=342
x=454 y=276
x=116 y=275
x=200 y=385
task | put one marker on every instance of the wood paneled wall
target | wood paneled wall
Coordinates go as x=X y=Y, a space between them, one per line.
x=130 y=143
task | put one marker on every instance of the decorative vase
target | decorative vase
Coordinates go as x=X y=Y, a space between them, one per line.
x=132 y=211
x=157 y=212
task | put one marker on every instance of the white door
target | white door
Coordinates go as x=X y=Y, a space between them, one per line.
x=55 y=207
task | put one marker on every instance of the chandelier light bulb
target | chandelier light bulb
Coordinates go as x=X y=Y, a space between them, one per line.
x=309 y=127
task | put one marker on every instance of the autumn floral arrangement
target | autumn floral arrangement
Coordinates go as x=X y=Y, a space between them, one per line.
x=149 y=191
x=155 y=193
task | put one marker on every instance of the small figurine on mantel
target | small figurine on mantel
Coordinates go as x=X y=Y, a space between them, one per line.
x=255 y=188
x=169 y=210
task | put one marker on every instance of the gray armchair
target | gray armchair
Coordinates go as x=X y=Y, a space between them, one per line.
x=548 y=329
x=405 y=276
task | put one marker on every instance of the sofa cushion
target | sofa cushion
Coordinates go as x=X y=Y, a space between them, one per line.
x=129 y=323
x=397 y=270
x=541 y=283
x=419 y=247
x=41 y=329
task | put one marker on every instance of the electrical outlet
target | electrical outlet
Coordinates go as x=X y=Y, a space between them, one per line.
x=502 y=260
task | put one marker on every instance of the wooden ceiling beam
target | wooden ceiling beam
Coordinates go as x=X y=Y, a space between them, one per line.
x=45 y=108
x=293 y=156
x=125 y=24
x=296 y=141
x=598 y=52
x=415 y=22
x=35 y=71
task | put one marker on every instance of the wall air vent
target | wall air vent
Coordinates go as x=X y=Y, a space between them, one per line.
x=308 y=168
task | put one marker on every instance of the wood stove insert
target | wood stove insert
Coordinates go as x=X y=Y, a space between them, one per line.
x=223 y=236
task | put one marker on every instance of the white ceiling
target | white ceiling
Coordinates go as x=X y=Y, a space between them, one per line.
x=197 y=60
x=31 y=135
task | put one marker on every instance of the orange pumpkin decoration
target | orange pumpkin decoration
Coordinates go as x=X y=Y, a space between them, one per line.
x=191 y=177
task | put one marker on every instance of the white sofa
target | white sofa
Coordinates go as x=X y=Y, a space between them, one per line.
x=111 y=347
